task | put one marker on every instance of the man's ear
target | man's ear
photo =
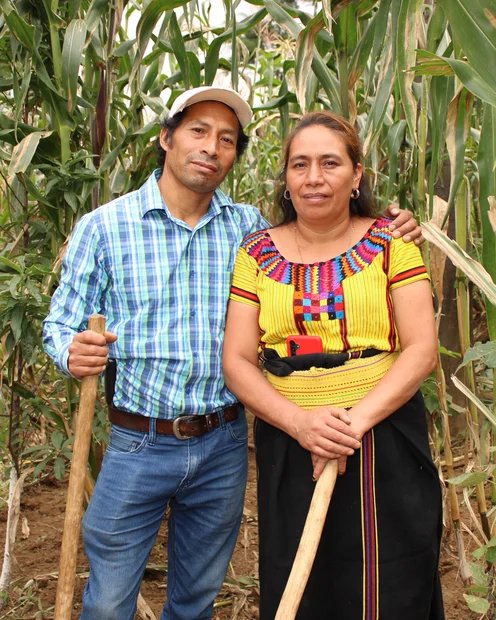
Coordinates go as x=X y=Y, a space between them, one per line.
x=164 y=138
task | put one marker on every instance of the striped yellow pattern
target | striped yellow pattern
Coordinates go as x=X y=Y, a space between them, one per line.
x=343 y=386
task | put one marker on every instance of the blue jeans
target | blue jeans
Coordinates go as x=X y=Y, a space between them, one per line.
x=202 y=480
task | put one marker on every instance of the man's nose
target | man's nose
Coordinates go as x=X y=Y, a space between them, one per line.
x=210 y=146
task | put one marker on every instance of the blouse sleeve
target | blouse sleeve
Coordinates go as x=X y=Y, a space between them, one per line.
x=244 y=283
x=406 y=264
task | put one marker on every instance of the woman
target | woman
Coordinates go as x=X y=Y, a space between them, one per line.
x=333 y=271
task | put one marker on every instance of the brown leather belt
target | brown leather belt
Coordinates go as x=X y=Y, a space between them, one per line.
x=183 y=427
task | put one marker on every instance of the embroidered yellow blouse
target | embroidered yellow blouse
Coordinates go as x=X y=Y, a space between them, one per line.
x=346 y=301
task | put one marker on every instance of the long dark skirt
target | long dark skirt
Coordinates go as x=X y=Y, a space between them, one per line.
x=379 y=553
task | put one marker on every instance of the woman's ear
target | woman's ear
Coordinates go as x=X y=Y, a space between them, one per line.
x=357 y=176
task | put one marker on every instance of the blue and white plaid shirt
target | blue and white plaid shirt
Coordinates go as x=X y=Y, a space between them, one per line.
x=163 y=289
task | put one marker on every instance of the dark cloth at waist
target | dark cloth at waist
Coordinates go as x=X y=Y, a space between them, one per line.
x=284 y=366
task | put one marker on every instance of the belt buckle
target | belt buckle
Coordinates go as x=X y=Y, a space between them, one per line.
x=175 y=426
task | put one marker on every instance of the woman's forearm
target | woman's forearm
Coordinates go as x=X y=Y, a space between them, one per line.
x=398 y=385
x=250 y=386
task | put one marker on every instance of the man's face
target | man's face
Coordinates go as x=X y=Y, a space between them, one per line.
x=203 y=147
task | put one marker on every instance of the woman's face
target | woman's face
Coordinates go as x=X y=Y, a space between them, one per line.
x=320 y=175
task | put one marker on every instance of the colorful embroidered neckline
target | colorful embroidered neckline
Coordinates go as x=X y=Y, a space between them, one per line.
x=323 y=277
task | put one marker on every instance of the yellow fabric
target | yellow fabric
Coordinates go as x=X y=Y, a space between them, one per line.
x=368 y=323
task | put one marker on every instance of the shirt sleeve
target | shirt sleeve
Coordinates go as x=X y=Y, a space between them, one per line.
x=244 y=283
x=82 y=283
x=406 y=264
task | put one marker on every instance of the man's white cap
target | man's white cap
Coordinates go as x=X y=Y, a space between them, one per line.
x=211 y=93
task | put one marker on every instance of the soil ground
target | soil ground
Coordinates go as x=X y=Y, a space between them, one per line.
x=36 y=557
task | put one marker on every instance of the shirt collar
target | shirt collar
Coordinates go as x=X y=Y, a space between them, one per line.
x=151 y=198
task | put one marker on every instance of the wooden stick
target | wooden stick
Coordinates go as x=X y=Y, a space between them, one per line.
x=309 y=542
x=75 y=492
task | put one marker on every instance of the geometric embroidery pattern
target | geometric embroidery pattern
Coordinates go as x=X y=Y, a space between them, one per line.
x=318 y=294
x=319 y=306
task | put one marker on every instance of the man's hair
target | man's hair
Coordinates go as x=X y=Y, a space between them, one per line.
x=171 y=123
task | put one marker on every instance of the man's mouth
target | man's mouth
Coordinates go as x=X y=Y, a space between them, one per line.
x=204 y=165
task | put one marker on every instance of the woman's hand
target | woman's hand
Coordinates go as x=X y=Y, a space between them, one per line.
x=319 y=462
x=325 y=432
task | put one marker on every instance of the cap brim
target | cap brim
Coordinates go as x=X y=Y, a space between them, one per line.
x=222 y=95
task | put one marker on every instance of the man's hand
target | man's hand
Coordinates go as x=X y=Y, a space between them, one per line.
x=88 y=353
x=404 y=225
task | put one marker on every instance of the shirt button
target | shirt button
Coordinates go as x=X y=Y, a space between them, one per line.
x=195 y=353
x=191 y=274
x=187 y=390
x=192 y=313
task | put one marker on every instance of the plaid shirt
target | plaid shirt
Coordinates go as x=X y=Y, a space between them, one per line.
x=163 y=289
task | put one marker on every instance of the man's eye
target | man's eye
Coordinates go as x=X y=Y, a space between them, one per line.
x=197 y=129
x=228 y=140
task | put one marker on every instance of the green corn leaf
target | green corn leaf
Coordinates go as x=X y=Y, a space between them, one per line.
x=94 y=14
x=378 y=109
x=212 y=57
x=305 y=49
x=194 y=69
x=283 y=18
x=146 y=25
x=396 y=135
x=406 y=34
x=23 y=153
x=345 y=37
x=72 y=52
x=486 y=158
x=22 y=31
x=456 y=137
x=436 y=29
x=234 y=54
x=322 y=72
x=20 y=97
x=179 y=49
x=474 y=31
x=430 y=64
x=361 y=54
x=470 y=267
x=441 y=92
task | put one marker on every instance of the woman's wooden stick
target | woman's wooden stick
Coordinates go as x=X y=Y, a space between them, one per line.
x=75 y=493
x=309 y=542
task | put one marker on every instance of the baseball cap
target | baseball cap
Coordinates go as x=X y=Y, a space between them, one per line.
x=212 y=93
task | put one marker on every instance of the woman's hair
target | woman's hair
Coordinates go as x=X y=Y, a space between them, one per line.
x=171 y=123
x=363 y=205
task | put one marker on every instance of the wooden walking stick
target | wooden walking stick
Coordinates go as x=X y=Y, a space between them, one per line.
x=309 y=542
x=75 y=493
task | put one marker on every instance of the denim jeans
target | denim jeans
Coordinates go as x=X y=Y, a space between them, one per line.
x=202 y=480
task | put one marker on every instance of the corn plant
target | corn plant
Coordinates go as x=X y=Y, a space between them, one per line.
x=83 y=85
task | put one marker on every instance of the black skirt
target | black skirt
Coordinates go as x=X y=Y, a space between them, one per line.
x=379 y=553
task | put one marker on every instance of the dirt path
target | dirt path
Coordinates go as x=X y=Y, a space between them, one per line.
x=36 y=556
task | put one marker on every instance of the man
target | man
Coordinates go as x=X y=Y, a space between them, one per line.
x=157 y=263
